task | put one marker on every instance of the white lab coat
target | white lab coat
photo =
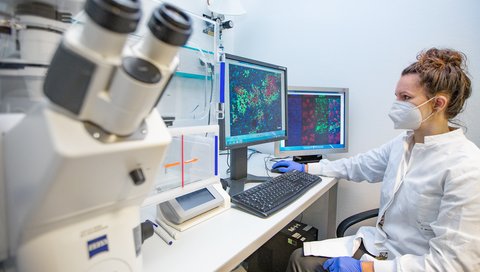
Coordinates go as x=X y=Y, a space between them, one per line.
x=430 y=201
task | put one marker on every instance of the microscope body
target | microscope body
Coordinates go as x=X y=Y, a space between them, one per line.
x=79 y=166
x=73 y=205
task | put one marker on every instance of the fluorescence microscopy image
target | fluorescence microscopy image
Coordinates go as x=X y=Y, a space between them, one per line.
x=313 y=120
x=255 y=99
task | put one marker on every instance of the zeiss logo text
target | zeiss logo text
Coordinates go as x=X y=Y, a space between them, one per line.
x=97 y=245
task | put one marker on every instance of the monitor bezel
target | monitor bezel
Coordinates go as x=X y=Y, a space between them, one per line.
x=222 y=140
x=300 y=89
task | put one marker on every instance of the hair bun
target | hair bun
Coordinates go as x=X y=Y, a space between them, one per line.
x=440 y=58
x=443 y=71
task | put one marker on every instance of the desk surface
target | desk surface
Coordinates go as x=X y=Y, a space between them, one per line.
x=222 y=242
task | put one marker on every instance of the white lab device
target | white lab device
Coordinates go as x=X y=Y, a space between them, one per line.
x=190 y=205
x=190 y=209
x=78 y=168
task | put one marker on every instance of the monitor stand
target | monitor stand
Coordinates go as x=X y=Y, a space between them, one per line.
x=307 y=159
x=238 y=171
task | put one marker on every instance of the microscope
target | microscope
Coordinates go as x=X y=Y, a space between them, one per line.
x=78 y=167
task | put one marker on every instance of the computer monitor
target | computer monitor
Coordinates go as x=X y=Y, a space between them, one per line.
x=254 y=95
x=317 y=123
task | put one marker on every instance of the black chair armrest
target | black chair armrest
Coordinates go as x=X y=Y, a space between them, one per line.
x=354 y=219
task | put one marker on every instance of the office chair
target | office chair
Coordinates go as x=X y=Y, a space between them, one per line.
x=354 y=219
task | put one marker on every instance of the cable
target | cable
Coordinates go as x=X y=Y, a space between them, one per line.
x=276 y=159
x=208 y=72
x=267 y=169
x=228 y=164
x=211 y=96
x=254 y=151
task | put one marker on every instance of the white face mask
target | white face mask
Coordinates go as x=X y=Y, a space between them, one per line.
x=406 y=115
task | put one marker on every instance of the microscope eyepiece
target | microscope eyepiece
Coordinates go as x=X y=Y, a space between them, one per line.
x=170 y=25
x=121 y=16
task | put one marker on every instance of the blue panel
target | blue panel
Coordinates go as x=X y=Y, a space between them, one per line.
x=216 y=155
x=222 y=82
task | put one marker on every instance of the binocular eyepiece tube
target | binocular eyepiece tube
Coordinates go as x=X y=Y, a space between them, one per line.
x=100 y=79
x=107 y=25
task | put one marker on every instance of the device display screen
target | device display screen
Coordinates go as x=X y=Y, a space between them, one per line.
x=316 y=120
x=254 y=94
x=194 y=199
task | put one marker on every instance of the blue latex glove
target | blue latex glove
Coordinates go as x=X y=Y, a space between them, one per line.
x=287 y=166
x=342 y=264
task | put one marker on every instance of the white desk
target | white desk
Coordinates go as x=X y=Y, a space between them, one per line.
x=222 y=242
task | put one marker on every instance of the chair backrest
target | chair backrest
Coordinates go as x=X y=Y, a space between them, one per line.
x=354 y=219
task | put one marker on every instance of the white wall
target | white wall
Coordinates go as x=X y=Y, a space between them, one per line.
x=362 y=45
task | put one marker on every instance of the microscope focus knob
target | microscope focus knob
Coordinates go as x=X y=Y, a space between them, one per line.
x=137 y=176
x=147 y=230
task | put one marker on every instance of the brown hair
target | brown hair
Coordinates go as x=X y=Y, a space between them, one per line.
x=443 y=71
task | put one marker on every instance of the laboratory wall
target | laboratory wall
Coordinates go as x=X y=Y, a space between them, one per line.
x=361 y=45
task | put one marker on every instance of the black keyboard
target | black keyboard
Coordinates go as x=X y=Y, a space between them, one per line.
x=270 y=196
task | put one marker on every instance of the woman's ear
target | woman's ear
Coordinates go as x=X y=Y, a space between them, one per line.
x=441 y=103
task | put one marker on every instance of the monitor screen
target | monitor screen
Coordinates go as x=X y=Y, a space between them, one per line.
x=317 y=122
x=254 y=95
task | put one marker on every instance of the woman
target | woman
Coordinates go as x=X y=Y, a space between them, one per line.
x=429 y=218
